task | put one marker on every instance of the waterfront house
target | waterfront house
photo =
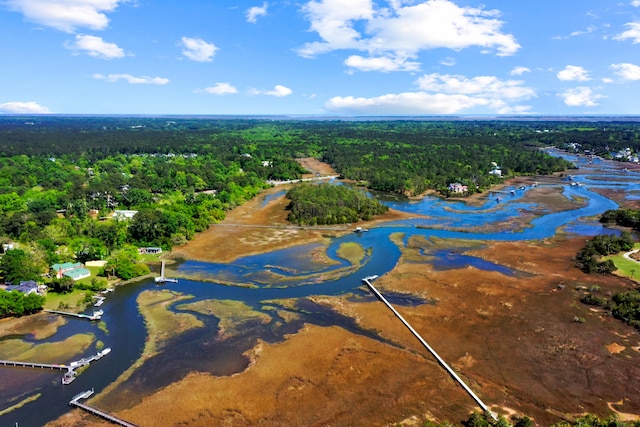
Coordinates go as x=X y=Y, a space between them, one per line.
x=150 y=250
x=76 y=271
x=456 y=187
x=26 y=287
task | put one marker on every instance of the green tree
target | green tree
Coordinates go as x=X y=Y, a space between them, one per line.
x=16 y=266
x=125 y=263
x=61 y=285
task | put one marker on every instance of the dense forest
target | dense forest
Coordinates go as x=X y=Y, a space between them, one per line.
x=62 y=178
x=320 y=204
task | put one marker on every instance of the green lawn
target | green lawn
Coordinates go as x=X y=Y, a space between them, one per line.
x=71 y=299
x=626 y=267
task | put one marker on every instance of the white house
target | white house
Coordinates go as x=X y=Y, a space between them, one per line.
x=124 y=214
x=456 y=187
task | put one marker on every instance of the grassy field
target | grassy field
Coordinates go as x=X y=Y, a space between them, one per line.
x=71 y=300
x=626 y=267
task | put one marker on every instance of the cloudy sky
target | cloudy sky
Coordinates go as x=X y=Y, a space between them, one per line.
x=331 y=57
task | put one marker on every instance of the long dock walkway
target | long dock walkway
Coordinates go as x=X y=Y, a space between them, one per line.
x=97 y=315
x=441 y=361
x=34 y=365
x=85 y=395
x=70 y=375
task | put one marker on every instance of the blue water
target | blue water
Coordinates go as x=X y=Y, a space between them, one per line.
x=263 y=280
x=446 y=259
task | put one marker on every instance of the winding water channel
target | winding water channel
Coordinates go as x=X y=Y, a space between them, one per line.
x=297 y=278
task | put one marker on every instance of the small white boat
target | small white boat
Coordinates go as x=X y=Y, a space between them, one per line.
x=68 y=377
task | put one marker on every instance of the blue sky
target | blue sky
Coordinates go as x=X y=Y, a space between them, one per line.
x=320 y=57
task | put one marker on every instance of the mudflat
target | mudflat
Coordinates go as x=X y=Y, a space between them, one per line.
x=513 y=339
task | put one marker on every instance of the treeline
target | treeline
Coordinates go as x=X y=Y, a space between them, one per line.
x=61 y=178
x=394 y=156
x=623 y=217
x=17 y=304
x=321 y=204
x=478 y=419
x=599 y=138
x=624 y=306
x=588 y=258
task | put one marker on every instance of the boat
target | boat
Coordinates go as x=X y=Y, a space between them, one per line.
x=69 y=377
x=103 y=353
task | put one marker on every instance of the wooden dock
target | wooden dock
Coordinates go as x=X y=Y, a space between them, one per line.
x=34 y=365
x=85 y=395
x=441 y=361
x=162 y=279
x=97 y=314
x=70 y=375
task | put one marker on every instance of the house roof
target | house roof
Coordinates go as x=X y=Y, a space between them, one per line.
x=66 y=266
x=24 y=287
x=77 y=273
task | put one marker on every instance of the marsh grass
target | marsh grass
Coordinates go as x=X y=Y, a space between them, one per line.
x=20 y=404
x=233 y=315
x=352 y=252
x=53 y=352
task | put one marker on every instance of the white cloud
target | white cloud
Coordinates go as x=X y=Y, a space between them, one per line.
x=632 y=33
x=66 y=15
x=590 y=29
x=405 y=103
x=442 y=94
x=384 y=64
x=17 y=107
x=626 y=71
x=580 y=97
x=254 y=12
x=402 y=30
x=573 y=73
x=333 y=21
x=448 y=61
x=198 y=49
x=489 y=87
x=112 y=78
x=635 y=3
x=95 y=46
x=278 y=91
x=221 y=88
x=519 y=70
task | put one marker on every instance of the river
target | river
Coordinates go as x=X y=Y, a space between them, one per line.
x=292 y=274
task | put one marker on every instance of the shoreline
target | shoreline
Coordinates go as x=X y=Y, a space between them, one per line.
x=507 y=336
